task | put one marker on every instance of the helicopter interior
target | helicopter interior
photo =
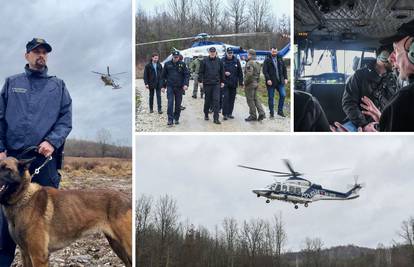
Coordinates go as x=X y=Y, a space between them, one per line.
x=335 y=38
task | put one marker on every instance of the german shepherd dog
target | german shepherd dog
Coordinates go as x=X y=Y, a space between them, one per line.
x=43 y=219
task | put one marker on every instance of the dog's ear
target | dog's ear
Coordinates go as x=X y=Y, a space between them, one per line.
x=24 y=164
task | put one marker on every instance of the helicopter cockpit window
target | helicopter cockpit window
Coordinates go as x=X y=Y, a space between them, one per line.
x=323 y=63
x=278 y=187
x=298 y=191
x=284 y=188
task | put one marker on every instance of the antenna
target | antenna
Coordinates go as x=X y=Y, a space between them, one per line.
x=107 y=68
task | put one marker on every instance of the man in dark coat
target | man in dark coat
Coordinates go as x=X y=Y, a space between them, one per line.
x=152 y=77
x=274 y=70
x=233 y=74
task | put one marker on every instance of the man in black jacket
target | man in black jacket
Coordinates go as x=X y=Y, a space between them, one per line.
x=175 y=77
x=211 y=75
x=233 y=76
x=152 y=77
x=376 y=82
x=274 y=70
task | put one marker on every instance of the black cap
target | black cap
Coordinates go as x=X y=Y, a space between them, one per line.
x=406 y=29
x=176 y=53
x=212 y=49
x=229 y=49
x=36 y=42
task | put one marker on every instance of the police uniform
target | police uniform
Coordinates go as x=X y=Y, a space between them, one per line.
x=231 y=82
x=174 y=76
x=34 y=107
x=251 y=83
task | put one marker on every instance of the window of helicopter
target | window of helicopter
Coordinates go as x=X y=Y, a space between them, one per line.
x=284 y=188
x=291 y=189
x=278 y=187
x=298 y=191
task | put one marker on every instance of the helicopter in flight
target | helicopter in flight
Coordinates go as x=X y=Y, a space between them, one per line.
x=298 y=190
x=109 y=79
x=201 y=45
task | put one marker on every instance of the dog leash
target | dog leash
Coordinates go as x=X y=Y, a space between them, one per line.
x=35 y=149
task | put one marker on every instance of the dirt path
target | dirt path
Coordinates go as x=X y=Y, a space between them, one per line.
x=192 y=118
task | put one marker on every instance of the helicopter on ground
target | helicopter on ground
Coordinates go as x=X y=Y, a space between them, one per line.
x=298 y=190
x=109 y=79
x=201 y=46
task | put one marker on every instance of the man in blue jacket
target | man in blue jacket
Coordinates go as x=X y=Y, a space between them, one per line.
x=274 y=70
x=35 y=110
x=175 y=77
x=233 y=74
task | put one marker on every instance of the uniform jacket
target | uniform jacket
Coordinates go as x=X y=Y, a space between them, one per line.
x=175 y=74
x=366 y=82
x=236 y=74
x=34 y=107
x=398 y=115
x=269 y=71
x=150 y=79
x=251 y=72
x=195 y=65
x=211 y=71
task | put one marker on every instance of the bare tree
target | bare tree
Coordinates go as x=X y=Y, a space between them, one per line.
x=210 y=11
x=259 y=12
x=166 y=223
x=313 y=252
x=280 y=238
x=104 y=138
x=407 y=234
x=252 y=235
x=230 y=231
x=236 y=11
x=143 y=214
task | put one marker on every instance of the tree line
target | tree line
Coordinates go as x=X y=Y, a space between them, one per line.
x=185 y=18
x=103 y=146
x=163 y=239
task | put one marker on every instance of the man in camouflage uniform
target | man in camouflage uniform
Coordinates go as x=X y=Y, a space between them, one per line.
x=251 y=82
x=195 y=68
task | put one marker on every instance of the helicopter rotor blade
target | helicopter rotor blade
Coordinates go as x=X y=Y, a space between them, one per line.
x=263 y=170
x=238 y=34
x=98 y=73
x=118 y=73
x=283 y=175
x=289 y=166
x=165 y=41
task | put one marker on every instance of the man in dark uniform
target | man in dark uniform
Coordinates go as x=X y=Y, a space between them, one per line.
x=175 y=77
x=274 y=70
x=233 y=74
x=35 y=110
x=152 y=77
x=377 y=82
x=211 y=75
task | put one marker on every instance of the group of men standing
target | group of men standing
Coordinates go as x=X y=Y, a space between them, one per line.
x=218 y=80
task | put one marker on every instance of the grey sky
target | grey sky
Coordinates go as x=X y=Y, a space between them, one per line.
x=85 y=36
x=279 y=7
x=200 y=173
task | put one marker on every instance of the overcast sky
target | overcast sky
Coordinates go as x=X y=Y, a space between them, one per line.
x=279 y=7
x=200 y=173
x=85 y=36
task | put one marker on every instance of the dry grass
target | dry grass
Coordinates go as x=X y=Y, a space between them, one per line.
x=111 y=167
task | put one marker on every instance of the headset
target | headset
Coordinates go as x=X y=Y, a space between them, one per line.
x=410 y=51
